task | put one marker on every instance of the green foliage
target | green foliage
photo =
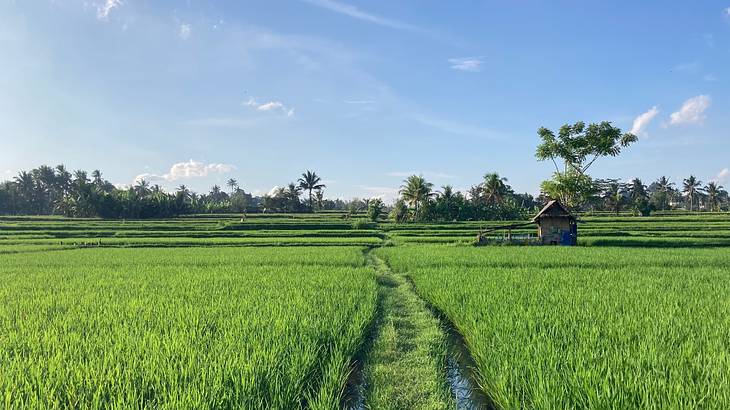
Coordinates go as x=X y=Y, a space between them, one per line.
x=399 y=213
x=578 y=147
x=573 y=189
x=363 y=224
x=375 y=209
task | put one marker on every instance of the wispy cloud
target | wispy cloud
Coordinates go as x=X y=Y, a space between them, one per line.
x=187 y=170
x=726 y=12
x=643 y=120
x=710 y=78
x=352 y=11
x=359 y=102
x=692 y=111
x=428 y=174
x=271 y=106
x=471 y=64
x=691 y=67
x=222 y=122
x=456 y=128
x=104 y=9
x=185 y=31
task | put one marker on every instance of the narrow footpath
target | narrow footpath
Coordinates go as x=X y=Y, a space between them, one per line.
x=406 y=365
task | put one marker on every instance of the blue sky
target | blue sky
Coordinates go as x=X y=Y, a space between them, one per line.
x=364 y=93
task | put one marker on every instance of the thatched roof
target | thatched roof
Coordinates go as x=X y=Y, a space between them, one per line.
x=553 y=209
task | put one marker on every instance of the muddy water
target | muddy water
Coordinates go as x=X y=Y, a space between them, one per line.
x=460 y=374
x=354 y=395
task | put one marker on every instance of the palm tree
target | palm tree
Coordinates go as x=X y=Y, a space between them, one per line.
x=184 y=191
x=63 y=179
x=663 y=189
x=614 y=195
x=96 y=177
x=80 y=177
x=691 y=188
x=495 y=189
x=291 y=196
x=415 y=191
x=310 y=181
x=26 y=188
x=713 y=191
x=215 y=193
x=142 y=188
x=233 y=184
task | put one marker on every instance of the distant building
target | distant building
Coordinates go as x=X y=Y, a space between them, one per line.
x=556 y=225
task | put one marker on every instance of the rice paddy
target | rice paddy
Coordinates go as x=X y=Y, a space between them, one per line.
x=276 y=311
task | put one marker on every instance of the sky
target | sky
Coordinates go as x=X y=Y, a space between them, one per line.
x=364 y=93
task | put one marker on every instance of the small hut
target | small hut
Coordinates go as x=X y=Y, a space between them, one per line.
x=556 y=225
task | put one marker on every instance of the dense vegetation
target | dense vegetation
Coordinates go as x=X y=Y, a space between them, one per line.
x=55 y=191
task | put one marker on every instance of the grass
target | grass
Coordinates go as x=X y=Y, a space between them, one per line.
x=197 y=328
x=585 y=327
x=406 y=365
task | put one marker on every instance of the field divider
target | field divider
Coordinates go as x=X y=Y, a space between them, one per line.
x=462 y=370
x=406 y=362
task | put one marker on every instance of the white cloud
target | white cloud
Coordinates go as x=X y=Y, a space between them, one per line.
x=354 y=12
x=185 y=31
x=726 y=12
x=692 y=111
x=273 y=190
x=187 y=170
x=271 y=106
x=722 y=176
x=643 y=120
x=387 y=194
x=472 y=64
x=103 y=10
x=710 y=78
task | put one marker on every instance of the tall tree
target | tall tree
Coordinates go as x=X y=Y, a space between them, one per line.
x=614 y=194
x=416 y=191
x=713 y=191
x=310 y=181
x=495 y=189
x=232 y=184
x=691 y=187
x=578 y=147
x=661 y=192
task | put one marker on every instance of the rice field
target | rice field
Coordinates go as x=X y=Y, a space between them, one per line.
x=194 y=328
x=585 y=327
x=276 y=311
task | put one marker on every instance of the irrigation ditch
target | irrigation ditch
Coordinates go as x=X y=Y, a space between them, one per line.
x=412 y=355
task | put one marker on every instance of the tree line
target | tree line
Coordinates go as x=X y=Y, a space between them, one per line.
x=573 y=150
x=57 y=191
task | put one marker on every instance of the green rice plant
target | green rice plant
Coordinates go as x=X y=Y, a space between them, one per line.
x=553 y=327
x=272 y=328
